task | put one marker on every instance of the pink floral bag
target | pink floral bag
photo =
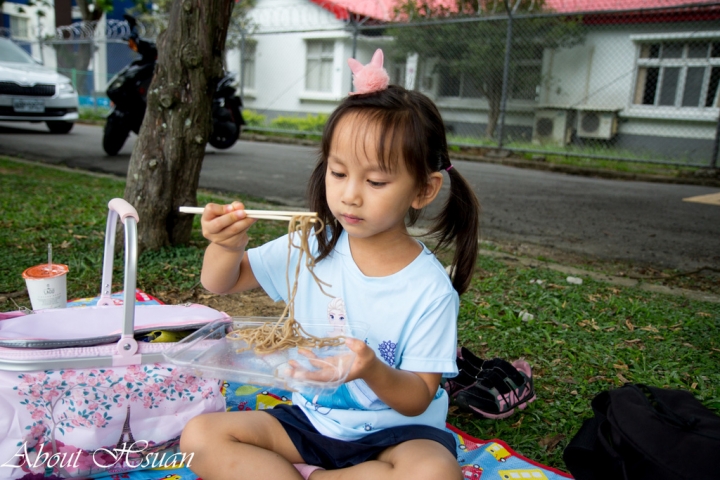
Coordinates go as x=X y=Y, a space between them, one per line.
x=81 y=397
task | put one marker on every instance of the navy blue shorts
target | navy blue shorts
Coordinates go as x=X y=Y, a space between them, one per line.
x=329 y=453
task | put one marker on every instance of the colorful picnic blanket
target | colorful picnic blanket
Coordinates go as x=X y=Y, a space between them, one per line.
x=486 y=459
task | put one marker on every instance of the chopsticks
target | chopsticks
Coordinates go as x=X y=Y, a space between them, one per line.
x=281 y=215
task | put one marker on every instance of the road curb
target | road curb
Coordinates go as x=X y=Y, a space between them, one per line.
x=710 y=177
x=706 y=177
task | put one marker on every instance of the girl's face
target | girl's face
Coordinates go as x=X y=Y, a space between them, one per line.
x=336 y=317
x=366 y=200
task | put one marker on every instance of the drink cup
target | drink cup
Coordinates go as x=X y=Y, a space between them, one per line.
x=47 y=285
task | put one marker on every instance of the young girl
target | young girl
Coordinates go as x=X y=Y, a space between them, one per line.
x=383 y=156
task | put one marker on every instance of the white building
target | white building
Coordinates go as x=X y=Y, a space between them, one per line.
x=645 y=78
x=25 y=23
x=296 y=59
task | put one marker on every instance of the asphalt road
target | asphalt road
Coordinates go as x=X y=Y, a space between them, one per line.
x=645 y=223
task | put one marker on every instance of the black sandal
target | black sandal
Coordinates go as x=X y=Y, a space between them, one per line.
x=499 y=389
x=490 y=388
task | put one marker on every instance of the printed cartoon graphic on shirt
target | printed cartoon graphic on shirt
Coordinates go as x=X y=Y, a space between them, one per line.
x=336 y=316
x=355 y=394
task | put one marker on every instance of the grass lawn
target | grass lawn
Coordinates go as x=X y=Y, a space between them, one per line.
x=581 y=340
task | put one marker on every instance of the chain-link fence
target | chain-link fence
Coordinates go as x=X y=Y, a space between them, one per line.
x=639 y=85
x=634 y=85
x=89 y=53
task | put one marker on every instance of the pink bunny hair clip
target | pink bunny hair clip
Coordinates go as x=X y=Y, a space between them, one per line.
x=369 y=78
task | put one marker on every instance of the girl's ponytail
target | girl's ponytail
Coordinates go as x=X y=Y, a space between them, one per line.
x=459 y=220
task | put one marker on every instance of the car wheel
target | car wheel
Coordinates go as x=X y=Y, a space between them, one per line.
x=60 y=126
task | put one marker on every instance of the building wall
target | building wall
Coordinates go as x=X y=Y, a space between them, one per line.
x=284 y=28
x=601 y=74
x=598 y=73
x=43 y=25
x=280 y=57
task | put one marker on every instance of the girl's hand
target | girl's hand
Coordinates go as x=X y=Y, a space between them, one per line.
x=323 y=369
x=365 y=359
x=226 y=225
x=330 y=369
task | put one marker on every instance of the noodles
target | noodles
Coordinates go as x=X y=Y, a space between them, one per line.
x=287 y=332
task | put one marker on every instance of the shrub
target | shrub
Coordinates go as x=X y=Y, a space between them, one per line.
x=309 y=123
x=254 y=119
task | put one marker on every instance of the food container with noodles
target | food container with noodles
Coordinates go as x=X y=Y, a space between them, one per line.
x=222 y=350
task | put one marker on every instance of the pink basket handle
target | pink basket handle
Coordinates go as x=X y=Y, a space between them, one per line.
x=123 y=209
x=127 y=352
x=118 y=208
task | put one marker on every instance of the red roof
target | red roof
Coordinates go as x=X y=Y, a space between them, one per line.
x=377 y=9
x=576 y=6
x=384 y=9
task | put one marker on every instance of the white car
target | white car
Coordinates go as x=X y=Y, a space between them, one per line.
x=30 y=92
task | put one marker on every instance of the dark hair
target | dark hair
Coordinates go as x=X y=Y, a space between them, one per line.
x=410 y=128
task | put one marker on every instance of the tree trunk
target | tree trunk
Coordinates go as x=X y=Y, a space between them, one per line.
x=165 y=164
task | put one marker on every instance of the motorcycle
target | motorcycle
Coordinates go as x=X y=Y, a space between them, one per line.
x=128 y=92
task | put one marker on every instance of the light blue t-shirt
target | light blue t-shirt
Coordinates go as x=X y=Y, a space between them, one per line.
x=412 y=319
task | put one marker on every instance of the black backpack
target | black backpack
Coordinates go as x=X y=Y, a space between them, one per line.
x=641 y=432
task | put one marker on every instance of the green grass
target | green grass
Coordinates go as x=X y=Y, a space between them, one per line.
x=617 y=165
x=645 y=162
x=44 y=205
x=94 y=116
x=583 y=338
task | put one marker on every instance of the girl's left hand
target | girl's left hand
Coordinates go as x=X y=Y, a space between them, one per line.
x=364 y=358
x=329 y=369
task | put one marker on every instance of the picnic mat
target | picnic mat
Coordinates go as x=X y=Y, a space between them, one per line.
x=486 y=459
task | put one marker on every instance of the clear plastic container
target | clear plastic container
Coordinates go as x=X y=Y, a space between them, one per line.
x=311 y=371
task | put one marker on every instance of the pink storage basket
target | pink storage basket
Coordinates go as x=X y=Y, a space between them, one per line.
x=80 y=397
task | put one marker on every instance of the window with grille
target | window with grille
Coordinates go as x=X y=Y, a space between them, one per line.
x=678 y=74
x=19 y=27
x=463 y=85
x=524 y=79
x=248 y=64
x=319 y=65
